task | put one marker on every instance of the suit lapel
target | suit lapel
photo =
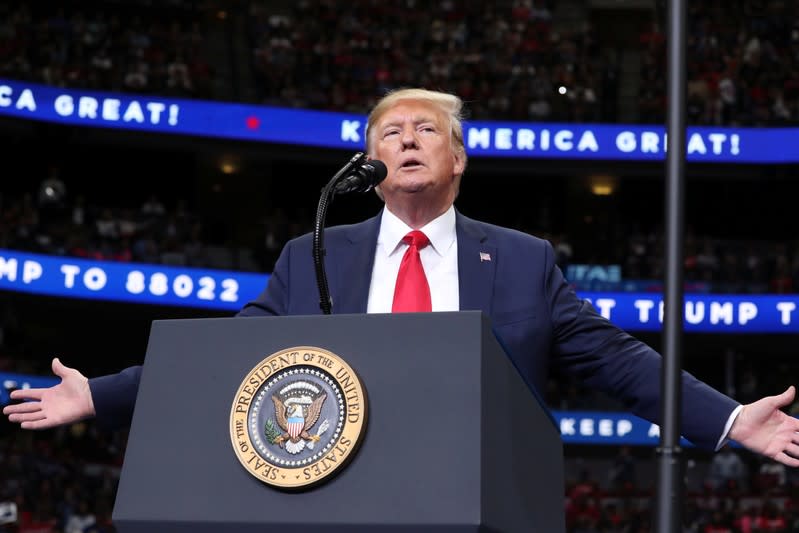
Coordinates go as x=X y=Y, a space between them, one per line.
x=353 y=267
x=476 y=266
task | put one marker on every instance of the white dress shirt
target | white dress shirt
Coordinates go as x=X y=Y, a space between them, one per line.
x=439 y=258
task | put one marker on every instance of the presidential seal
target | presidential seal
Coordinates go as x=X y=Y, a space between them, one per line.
x=298 y=417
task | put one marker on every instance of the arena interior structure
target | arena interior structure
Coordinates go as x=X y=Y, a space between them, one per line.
x=164 y=137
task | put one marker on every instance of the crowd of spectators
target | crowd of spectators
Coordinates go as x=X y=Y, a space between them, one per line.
x=726 y=265
x=731 y=492
x=743 y=64
x=170 y=233
x=507 y=59
x=123 y=46
x=154 y=232
x=59 y=481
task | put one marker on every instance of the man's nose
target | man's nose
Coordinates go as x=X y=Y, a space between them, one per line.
x=409 y=138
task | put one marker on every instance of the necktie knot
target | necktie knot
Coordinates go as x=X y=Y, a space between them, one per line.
x=416 y=238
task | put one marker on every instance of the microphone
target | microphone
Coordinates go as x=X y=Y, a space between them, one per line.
x=362 y=178
x=358 y=175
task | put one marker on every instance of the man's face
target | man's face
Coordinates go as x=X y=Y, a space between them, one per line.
x=413 y=139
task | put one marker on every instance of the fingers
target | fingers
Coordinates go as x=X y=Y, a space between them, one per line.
x=787 y=396
x=792 y=450
x=59 y=369
x=27 y=394
x=786 y=459
x=26 y=407
x=783 y=399
x=27 y=417
x=38 y=424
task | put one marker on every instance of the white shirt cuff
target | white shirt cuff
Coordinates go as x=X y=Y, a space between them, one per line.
x=723 y=439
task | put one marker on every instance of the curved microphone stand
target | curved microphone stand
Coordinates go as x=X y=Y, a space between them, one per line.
x=328 y=191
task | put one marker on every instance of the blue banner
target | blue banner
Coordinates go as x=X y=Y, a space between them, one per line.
x=128 y=282
x=594 y=427
x=229 y=290
x=347 y=131
x=708 y=313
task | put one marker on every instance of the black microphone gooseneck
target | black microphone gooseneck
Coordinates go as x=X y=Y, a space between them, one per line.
x=358 y=175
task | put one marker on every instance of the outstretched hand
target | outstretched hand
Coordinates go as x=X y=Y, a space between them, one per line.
x=67 y=402
x=764 y=428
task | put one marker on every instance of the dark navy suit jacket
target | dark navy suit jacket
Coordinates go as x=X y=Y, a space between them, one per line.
x=510 y=276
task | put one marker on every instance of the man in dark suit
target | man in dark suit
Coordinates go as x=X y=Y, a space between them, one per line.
x=509 y=275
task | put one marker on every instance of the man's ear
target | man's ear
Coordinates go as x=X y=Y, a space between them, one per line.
x=460 y=162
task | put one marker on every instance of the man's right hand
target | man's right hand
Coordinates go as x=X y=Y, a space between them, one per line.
x=65 y=403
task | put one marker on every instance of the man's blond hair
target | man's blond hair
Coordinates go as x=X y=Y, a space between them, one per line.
x=449 y=104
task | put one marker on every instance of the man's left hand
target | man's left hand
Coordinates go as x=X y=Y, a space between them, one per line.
x=764 y=428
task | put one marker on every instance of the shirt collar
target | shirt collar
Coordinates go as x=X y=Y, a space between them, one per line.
x=440 y=231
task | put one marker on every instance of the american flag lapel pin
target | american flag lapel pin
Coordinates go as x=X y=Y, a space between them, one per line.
x=485 y=256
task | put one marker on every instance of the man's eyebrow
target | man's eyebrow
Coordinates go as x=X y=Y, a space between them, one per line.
x=421 y=119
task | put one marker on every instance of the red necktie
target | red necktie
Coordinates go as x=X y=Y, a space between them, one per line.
x=412 y=292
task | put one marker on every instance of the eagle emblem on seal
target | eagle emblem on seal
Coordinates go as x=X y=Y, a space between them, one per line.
x=297 y=410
